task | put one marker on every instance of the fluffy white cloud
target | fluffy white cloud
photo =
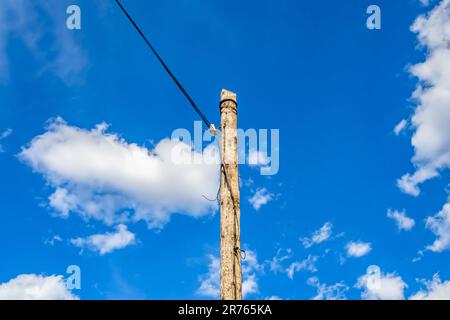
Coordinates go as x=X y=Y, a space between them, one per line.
x=318 y=236
x=108 y=242
x=308 y=264
x=435 y=290
x=400 y=127
x=431 y=139
x=328 y=292
x=403 y=222
x=358 y=249
x=36 y=287
x=379 y=286
x=210 y=282
x=100 y=176
x=440 y=226
x=260 y=198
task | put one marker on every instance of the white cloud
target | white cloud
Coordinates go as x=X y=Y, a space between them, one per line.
x=250 y=264
x=435 y=290
x=358 y=249
x=210 y=282
x=308 y=264
x=379 y=286
x=250 y=269
x=440 y=226
x=318 y=236
x=108 y=242
x=4 y=135
x=62 y=53
x=328 y=292
x=260 y=198
x=100 y=176
x=35 y=287
x=249 y=285
x=400 y=127
x=431 y=138
x=280 y=263
x=403 y=222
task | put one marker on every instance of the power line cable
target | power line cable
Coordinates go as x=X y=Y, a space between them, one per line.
x=209 y=125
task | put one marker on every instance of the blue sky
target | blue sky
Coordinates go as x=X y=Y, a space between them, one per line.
x=334 y=89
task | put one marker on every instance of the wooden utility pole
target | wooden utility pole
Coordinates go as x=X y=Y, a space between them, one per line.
x=230 y=238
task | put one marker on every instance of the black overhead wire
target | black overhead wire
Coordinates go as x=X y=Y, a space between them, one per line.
x=180 y=86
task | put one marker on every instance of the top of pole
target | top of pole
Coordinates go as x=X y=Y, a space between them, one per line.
x=227 y=95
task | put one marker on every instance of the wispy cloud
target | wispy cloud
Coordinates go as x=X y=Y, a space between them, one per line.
x=276 y=264
x=273 y=298
x=425 y=2
x=318 y=236
x=308 y=264
x=284 y=263
x=53 y=240
x=400 y=127
x=5 y=134
x=336 y=291
x=60 y=53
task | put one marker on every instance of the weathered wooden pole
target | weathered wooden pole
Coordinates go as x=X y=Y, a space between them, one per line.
x=230 y=239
